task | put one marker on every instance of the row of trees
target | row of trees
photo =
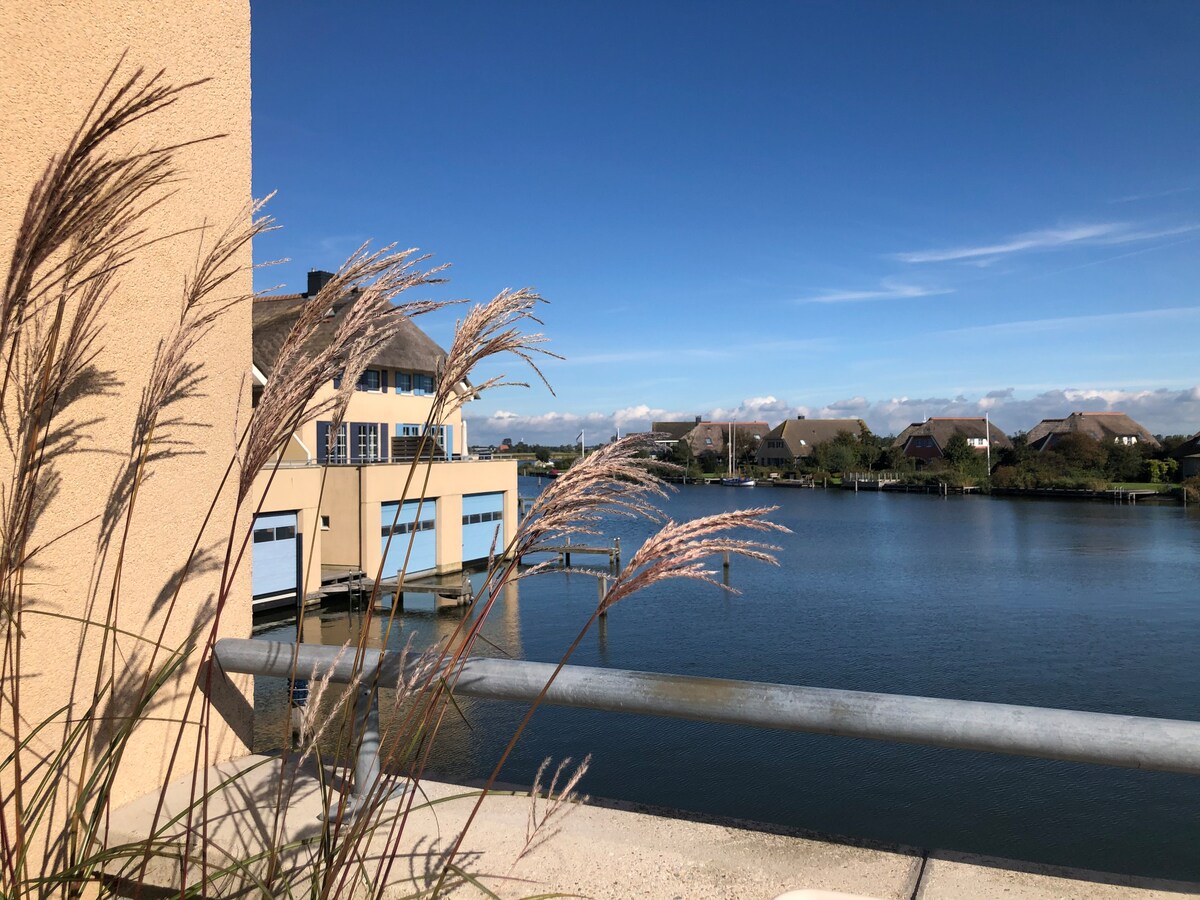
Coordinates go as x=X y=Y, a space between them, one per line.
x=1075 y=461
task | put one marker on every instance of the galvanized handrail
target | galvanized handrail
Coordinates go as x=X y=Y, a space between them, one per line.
x=1165 y=745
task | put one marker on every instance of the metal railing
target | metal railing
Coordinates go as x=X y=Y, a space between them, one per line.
x=1165 y=745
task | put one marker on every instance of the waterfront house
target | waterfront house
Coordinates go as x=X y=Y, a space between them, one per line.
x=926 y=441
x=668 y=434
x=1106 y=427
x=710 y=440
x=335 y=496
x=786 y=444
x=1188 y=455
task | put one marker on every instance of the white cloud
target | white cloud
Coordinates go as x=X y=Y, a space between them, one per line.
x=888 y=290
x=1162 y=411
x=1071 y=323
x=1105 y=233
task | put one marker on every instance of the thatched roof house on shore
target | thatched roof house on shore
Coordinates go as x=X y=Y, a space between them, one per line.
x=927 y=440
x=794 y=439
x=1115 y=427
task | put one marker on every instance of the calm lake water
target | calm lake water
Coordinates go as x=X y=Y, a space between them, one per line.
x=1074 y=605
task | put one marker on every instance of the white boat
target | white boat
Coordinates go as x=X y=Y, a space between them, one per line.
x=733 y=479
x=738 y=481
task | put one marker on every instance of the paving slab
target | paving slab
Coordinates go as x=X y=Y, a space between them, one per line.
x=596 y=851
x=963 y=876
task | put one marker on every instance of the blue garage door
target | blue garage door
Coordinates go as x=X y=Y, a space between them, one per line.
x=482 y=515
x=422 y=532
x=273 y=559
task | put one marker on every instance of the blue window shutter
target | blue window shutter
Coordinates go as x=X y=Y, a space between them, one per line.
x=384 y=449
x=383 y=380
x=355 y=429
x=322 y=442
x=337 y=382
x=449 y=442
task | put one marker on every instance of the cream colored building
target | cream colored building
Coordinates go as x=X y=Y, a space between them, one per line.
x=54 y=57
x=338 y=493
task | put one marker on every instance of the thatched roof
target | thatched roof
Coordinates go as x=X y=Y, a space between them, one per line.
x=942 y=428
x=411 y=350
x=711 y=437
x=801 y=435
x=1101 y=426
x=674 y=431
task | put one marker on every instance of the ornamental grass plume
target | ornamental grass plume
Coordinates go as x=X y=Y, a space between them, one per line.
x=677 y=550
x=543 y=825
x=82 y=226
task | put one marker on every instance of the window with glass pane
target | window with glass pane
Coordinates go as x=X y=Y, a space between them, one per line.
x=368 y=442
x=337 y=452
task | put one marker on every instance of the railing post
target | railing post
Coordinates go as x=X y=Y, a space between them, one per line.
x=366 y=778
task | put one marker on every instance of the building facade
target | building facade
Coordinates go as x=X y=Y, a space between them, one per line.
x=386 y=490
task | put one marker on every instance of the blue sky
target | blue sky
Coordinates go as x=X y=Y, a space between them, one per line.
x=752 y=211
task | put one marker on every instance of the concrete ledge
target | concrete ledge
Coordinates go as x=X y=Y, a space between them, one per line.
x=598 y=852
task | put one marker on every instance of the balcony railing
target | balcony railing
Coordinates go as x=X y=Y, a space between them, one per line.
x=1165 y=745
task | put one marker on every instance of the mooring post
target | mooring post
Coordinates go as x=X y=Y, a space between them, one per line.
x=725 y=559
x=616 y=556
x=566 y=555
x=602 y=592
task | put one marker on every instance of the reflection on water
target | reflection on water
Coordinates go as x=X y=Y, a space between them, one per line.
x=1073 y=605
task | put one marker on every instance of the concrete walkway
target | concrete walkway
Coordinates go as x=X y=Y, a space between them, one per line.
x=597 y=852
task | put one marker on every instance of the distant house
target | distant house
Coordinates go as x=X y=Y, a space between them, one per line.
x=668 y=434
x=709 y=438
x=1188 y=455
x=786 y=444
x=1114 y=427
x=926 y=441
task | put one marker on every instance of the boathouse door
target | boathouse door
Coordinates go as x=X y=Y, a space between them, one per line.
x=422 y=531
x=482 y=515
x=273 y=559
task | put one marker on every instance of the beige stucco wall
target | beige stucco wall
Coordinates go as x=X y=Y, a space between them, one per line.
x=384 y=407
x=448 y=482
x=53 y=58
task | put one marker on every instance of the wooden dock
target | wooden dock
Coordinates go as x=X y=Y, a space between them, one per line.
x=564 y=552
x=446 y=592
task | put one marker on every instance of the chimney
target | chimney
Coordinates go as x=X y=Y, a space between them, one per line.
x=697 y=420
x=800 y=418
x=317 y=280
